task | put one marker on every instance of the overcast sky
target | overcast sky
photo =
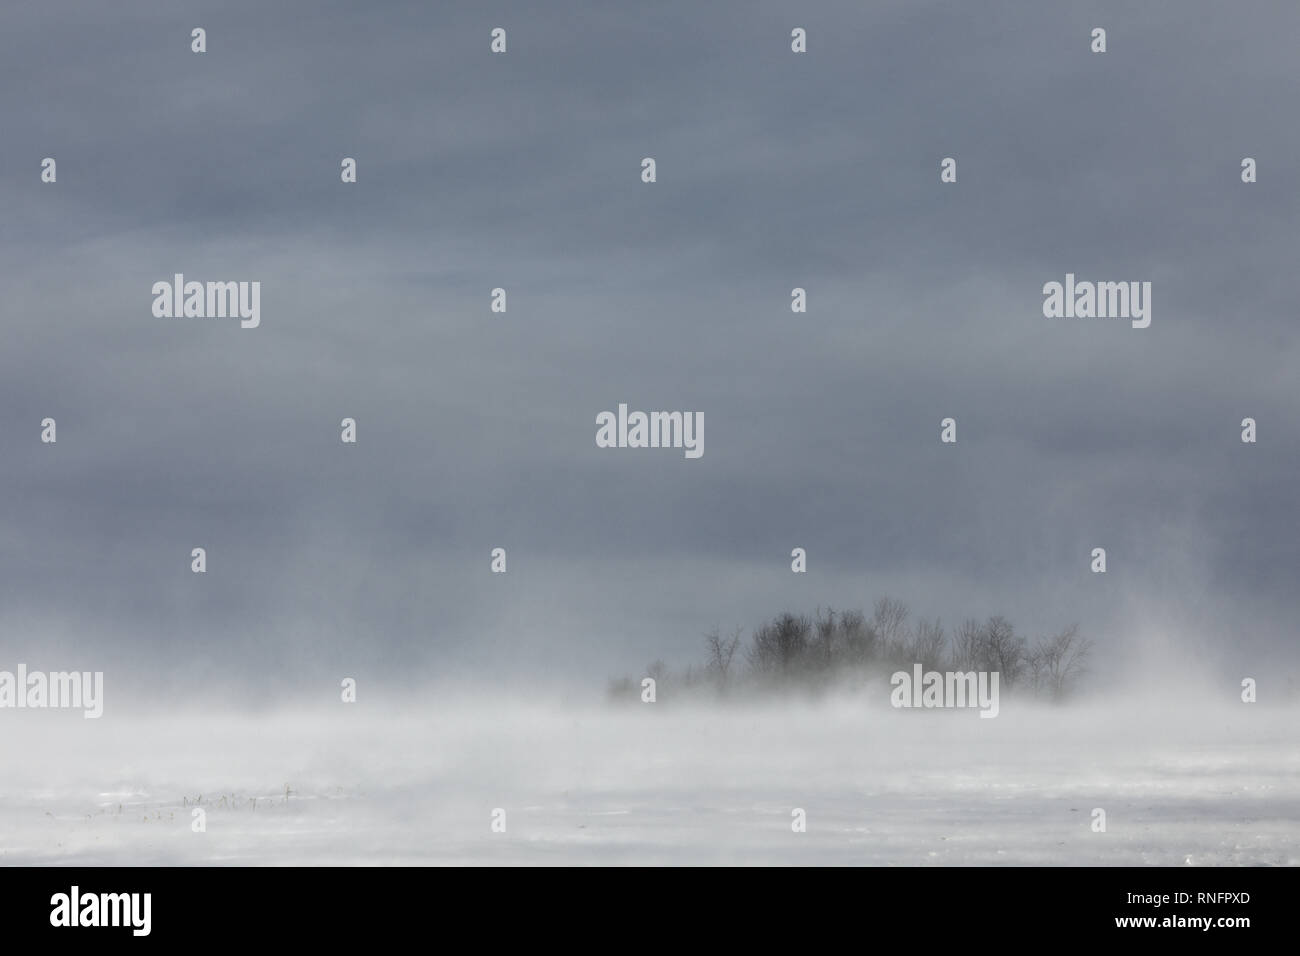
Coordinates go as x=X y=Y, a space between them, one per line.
x=477 y=430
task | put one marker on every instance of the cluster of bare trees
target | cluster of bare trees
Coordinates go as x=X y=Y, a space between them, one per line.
x=835 y=648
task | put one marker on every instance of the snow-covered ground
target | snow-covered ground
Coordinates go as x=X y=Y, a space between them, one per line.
x=653 y=784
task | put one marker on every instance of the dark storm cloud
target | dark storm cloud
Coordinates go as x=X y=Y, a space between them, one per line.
x=476 y=430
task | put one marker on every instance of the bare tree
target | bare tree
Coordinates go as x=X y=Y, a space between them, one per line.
x=721 y=653
x=658 y=672
x=966 y=645
x=928 y=644
x=826 y=639
x=779 y=648
x=1002 y=650
x=889 y=621
x=858 y=638
x=819 y=652
x=1058 y=662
